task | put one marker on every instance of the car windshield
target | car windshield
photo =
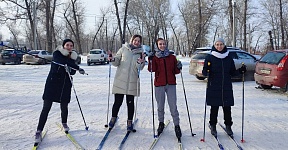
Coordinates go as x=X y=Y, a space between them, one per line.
x=272 y=58
x=95 y=52
x=7 y=52
x=200 y=56
x=33 y=52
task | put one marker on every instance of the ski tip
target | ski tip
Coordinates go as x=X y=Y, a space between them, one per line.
x=202 y=140
x=86 y=128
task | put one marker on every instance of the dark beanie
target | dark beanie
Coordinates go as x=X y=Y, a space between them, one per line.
x=67 y=40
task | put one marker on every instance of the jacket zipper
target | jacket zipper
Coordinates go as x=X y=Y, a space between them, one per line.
x=165 y=71
x=222 y=83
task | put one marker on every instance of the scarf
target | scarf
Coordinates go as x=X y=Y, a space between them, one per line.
x=161 y=54
x=219 y=54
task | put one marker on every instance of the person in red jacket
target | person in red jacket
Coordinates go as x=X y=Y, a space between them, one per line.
x=165 y=66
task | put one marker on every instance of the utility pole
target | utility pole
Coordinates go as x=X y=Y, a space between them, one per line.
x=234 y=25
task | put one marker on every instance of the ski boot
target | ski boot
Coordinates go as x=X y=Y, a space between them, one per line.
x=160 y=128
x=65 y=127
x=129 y=125
x=112 y=122
x=38 y=136
x=178 y=132
x=213 y=130
x=229 y=130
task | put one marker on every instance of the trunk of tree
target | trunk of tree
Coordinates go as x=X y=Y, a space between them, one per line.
x=77 y=36
x=230 y=8
x=48 y=33
x=282 y=26
x=245 y=25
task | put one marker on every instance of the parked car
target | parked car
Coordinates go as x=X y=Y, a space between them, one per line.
x=239 y=56
x=97 y=56
x=11 y=55
x=78 y=60
x=35 y=57
x=272 y=70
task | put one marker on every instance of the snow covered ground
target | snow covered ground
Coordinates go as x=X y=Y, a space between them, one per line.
x=21 y=89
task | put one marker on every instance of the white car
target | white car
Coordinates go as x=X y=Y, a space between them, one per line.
x=97 y=56
x=35 y=57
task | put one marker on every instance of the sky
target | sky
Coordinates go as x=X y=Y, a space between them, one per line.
x=92 y=10
x=265 y=113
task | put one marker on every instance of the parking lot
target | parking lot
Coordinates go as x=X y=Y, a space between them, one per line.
x=265 y=119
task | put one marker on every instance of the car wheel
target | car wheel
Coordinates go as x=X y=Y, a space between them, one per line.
x=88 y=63
x=266 y=86
x=200 y=78
x=3 y=63
x=285 y=88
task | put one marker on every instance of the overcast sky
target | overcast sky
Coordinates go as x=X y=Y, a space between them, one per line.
x=92 y=10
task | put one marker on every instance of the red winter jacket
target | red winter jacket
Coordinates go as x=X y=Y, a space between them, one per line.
x=165 y=69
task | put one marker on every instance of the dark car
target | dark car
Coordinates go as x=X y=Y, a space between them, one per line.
x=272 y=70
x=11 y=55
x=239 y=56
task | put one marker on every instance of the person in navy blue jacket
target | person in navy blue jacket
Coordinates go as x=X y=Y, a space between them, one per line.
x=58 y=85
x=219 y=67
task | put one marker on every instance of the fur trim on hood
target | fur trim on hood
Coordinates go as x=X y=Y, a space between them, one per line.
x=66 y=53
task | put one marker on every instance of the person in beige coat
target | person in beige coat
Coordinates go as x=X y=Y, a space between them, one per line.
x=128 y=60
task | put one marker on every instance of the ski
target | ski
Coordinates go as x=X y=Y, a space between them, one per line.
x=71 y=138
x=106 y=136
x=218 y=141
x=232 y=138
x=126 y=136
x=156 y=139
x=36 y=145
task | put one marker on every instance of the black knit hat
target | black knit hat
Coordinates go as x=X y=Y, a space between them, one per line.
x=67 y=40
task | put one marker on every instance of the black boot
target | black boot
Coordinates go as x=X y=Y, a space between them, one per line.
x=213 y=130
x=178 y=131
x=160 y=128
x=229 y=130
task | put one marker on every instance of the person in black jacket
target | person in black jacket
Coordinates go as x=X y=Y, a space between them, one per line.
x=58 y=85
x=219 y=68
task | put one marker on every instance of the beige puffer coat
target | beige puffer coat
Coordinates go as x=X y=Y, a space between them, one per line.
x=126 y=77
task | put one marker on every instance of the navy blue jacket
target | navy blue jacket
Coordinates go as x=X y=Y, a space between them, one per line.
x=58 y=84
x=219 y=87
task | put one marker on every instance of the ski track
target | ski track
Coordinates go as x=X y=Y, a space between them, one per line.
x=265 y=125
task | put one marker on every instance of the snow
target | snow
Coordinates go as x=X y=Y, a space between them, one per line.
x=265 y=125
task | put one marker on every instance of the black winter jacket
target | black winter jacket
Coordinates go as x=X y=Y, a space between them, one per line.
x=219 y=87
x=58 y=84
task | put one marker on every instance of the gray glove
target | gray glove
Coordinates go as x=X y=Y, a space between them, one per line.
x=81 y=71
x=179 y=65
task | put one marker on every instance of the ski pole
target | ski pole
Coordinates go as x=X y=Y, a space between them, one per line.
x=153 y=120
x=138 y=80
x=66 y=68
x=187 y=105
x=203 y=139
x=243 y=79
x=106 y=125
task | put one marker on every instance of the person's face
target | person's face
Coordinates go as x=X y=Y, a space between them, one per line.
x=219 y=46
x=161 y=45
x=69 y=46
x=136 y=42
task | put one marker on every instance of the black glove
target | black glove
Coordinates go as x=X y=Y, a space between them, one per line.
x=81 y=71
x=243 y=69
x=179 y=65
x=150 y=55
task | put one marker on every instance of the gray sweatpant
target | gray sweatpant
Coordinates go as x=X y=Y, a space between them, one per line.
x=170 y=91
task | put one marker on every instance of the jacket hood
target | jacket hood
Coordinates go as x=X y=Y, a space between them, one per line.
x=65 y=52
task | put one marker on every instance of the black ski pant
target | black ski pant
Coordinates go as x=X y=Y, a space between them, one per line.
x=118 y=102
x=214 y=115
x=47 y=104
